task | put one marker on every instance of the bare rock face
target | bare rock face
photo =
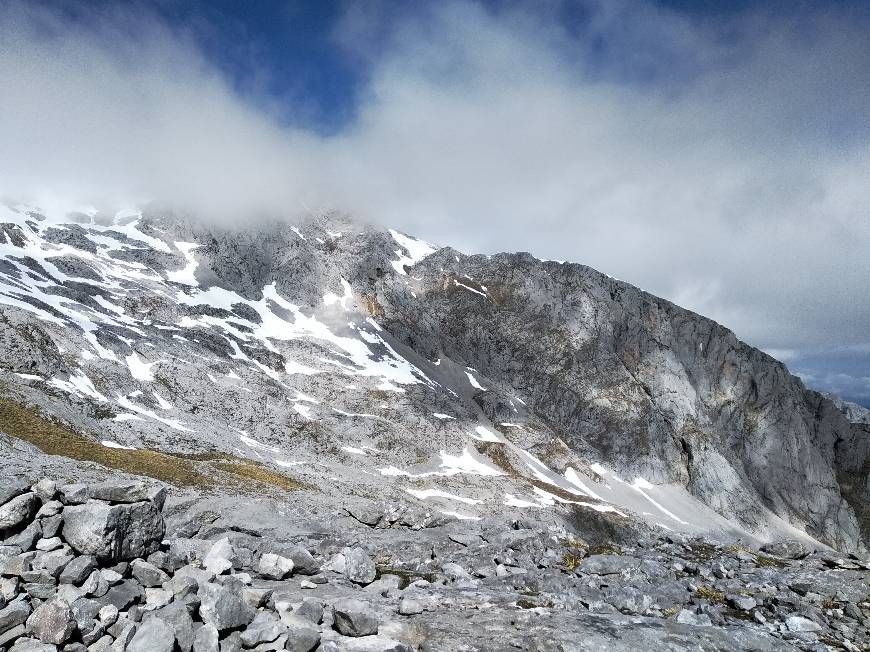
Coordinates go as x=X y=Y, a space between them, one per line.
x=655 y=390
x=113 y=532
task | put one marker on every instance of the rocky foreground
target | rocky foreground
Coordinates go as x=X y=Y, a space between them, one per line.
x=97 y=567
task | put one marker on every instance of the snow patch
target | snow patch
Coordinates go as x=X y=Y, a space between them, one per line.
x=113 y=444
x=461 y=517
x=416 y=250
x=80 y=385
x=423 y=494
x=486 y=434
x=512 y=501
x=139 y=369
x=187 y=274
x=473 y=381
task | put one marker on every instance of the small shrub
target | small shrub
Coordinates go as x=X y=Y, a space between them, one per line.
x=572 y=560
x=711 y=594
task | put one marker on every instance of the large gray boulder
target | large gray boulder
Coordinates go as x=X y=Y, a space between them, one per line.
x=9 y=490
x=354 y=618
x=265 y=628
x=785 y=549
x=359 y=567
x=153 y=635
x=13 y=614
x=118 y=491
x=52 y=622
x=206 y=639
x=113 y=532
x=178 y=618
x=224 y=607
x=147 y=573
x=18 y=510
x=274 y=567
x=302 y=634
x=303 y=561
x=78 y=570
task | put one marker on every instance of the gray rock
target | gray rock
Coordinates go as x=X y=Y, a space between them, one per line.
x=742 y=602
x=359 y=567
x=123 y=595
x=49 y=509
x=785 y=549
x=113 y=532
x=354 y=618
x=52 y=622
x=410 y=606
x=124 y=636
x=18 y=510
x=224 y=607
x=53 y=562
x=147 y=574
x=32 y=645
x=156 y=598
x=220 y=557
x=47 y=545
x=629 y=600
x=46 y=489
x=75 y=494
x=232 y=643
x=303 y=561
x=274 y=567
x=13 y=614
x=687 y=617
x=85 y=612
x=51 y=526
x=11 y=634
x=152 y=635
x=609 y=564
x=9 y=490
x=78 y=570
x=310 y=609
x=264 y=628
x=302 y=634
x=375 y=644
x=8 y=588
x=801 y=624
x=128 y=492
x=206 y=639
x=108 y=614
x=176 y=616
x=383 y=584
x=26 y=539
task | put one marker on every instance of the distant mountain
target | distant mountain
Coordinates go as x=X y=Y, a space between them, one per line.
x=370 y=365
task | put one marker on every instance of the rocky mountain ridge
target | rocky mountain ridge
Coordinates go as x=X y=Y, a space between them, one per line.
x=349 y=367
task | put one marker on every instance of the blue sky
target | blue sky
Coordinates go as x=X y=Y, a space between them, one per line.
x=714 y=153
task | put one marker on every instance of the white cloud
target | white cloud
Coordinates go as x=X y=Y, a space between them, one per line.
x=727 y=168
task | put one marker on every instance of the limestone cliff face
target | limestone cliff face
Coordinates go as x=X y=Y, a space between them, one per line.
x=626 y=377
